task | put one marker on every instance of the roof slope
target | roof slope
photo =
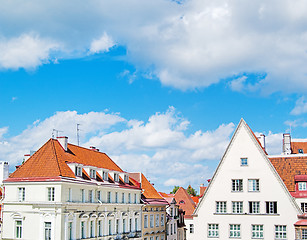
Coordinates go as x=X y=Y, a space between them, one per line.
x=295 y=146
x=148 y=190
x=185 y=202
x=50 y=161
x=288 y=167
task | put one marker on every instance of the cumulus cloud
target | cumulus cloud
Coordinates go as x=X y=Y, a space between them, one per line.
x=161 y=147
x=26 y=51
x=102 y=44
x=189 y=45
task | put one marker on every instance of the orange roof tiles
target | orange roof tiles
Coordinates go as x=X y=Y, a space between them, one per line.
x=185 y=202
x=50 y=161
x=288 y=167
x=295 y=146
x=148 y=190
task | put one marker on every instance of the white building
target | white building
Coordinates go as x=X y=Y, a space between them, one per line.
x=246 y=197
x=69 y=192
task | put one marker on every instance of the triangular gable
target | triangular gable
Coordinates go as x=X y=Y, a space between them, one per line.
x=256 y=142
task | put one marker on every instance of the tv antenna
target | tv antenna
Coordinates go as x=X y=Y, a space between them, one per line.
x=55 y=133
x=78 y=136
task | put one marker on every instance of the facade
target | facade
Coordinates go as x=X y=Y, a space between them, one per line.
x=247 y=198
x=68 y=192
x=153 y=210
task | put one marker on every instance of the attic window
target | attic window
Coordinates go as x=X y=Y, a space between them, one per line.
x=300 y=150
x=78 y=171
x=181 y=202
x=302 y=186
x=93 y=173
x=244 y=162
x=126 y=179
x=105 y=175
x=116 y=177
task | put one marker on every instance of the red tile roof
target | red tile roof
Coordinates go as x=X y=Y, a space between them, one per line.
x=295 y=146
x=289 y=166
x=185 y=202
x=50 y=161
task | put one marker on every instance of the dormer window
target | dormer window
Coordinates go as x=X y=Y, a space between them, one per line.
x=93 y=173
x=300 y=150
x=116 y=177
x=244 y=162
x=78 y=171
x=302 y=186
x=126 y=179
x=105 y=175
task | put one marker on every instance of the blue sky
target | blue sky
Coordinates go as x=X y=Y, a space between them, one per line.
x=159 y=88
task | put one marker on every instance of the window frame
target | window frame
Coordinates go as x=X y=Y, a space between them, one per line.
x=220 y=207
x=252 y=207
x=18 y=229
x=214 y=230
x=237 y=207
x=279 y=232
x=50 y=194
x=253 y=185
x=302 y=186
x=244 y=162
x=257 y=231
x=271 y=209
x=21 y=194
x=236 y=185
x=235 y=231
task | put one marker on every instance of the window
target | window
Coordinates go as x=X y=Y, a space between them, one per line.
x=92 y=173
x=124 y=225
x=82 y=195
x=116 y=177
x=172 y=212
x=123 y=197
x=99 y=228
x=162 y=219
x=280 y=232
x=130 y=225
x=302 y=186
x=234 y=230
x=69 y=231
x=98 y=195
x=253 y=185
x=92 y=233
x=221 y=207
x=237 y=185
x=135 y=224
x=304 y=233
x=243 y=161
x=151 y=221
x=300 y=233
x=90 y=196
x=257 y=231
x=162 y=237
x=69 y=194
x=117 y=225
x=304 y=207
x=181 y=202
x=126 y=179
x=116 y=197
x=254 y=207
x=51 y=194
x=157 y=220
x=191 y=228
x=18 y=225
x=300 y=150
x=78 y=171
x=21 y=194
x=237 y=207
x=83 y=234
x=109 y=197
x=105 y=176
x=213 y=230
x=135 y=198
x=271 y=207
x=110 y=227
x=171 y=226
x=174 y=228
x=145 y=221
x=47 y=230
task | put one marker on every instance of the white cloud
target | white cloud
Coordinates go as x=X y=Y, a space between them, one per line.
x=300 y=107
x=160 y=147
x=102 y=44
x=26 y=51
x=189 y=45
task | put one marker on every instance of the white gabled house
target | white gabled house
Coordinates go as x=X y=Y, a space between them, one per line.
x=246 y=198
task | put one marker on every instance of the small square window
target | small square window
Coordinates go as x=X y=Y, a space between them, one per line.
x=244 y=162
x=300 y=150
x=302 y=186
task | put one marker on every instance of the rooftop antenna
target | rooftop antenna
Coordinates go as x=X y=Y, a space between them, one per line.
x=55 y=133
x=78 y=137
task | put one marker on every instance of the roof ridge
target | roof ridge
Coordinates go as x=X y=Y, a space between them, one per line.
x=56 y=156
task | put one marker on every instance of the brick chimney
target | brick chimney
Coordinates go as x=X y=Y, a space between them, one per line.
x=63 y=141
